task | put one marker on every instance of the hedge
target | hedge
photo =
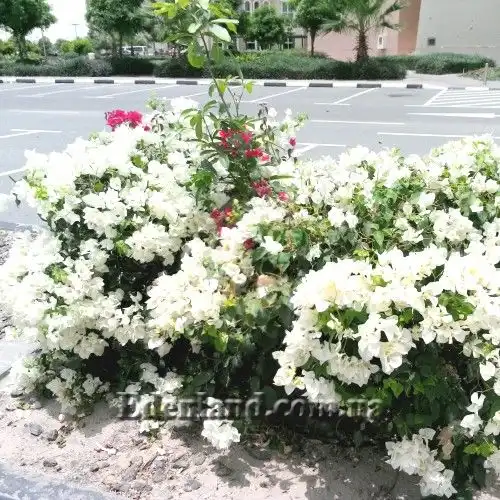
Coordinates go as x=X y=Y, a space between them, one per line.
x=283 y=66
x=79 y=66
x=440 y=63
x=272 y=65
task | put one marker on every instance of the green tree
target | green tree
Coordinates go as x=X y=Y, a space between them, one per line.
x=363 y=16
x=121 y=17
x=318 y=16
x=267 y=27
x=21 y=17
x=45 y=45
x=82 y=46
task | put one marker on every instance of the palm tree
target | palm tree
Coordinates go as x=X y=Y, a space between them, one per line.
x=362 y=16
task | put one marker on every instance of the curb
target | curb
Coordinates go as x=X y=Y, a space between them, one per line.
x=263 y=83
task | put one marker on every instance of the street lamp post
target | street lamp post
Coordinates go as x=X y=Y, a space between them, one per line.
x=76 y=30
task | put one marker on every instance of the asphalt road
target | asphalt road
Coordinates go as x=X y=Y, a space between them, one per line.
x=46 y=117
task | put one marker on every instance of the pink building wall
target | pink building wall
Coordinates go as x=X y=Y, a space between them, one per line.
x=342 y=45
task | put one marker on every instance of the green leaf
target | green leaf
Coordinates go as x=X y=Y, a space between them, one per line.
x=221 y=341
x=201 y=379
x=395 y=386
x=249 y=89
x=194 y=55
x=220 y=32
x=216 y=53
x=194 y=27
x=378 y=236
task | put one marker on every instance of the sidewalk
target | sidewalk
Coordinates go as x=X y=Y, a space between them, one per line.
x=14 y=486
x=413 y=81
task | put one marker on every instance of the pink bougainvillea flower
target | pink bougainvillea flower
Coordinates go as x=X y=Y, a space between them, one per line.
x=282 y=196
x=292 y=142
x=254 y=153
x=118 y=117
x=262 y=188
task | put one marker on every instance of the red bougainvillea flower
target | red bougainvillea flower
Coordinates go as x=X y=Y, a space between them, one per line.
x=117 y=117
x=292 y=142
x=254 y=153
x=246 y=137
x=262 y=188
x=282 y=196
x=249 y=244
x=265 y=158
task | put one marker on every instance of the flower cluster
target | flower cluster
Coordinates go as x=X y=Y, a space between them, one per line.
x=369 y=276
x=118 y=117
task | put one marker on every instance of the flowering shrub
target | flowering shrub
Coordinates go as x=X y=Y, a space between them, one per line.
x=191 y=250
x=373 y=276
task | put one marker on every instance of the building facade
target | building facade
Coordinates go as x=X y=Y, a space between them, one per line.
x=426 y=26
x=384 y=42
x=464 y=26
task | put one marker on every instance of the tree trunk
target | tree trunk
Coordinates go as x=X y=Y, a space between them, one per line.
x=120 y=45
x=21 y=45
x=132 y=49
x=362 y=47
x=313 y=39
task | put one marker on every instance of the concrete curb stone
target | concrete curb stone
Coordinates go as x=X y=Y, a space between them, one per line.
x=264 y=83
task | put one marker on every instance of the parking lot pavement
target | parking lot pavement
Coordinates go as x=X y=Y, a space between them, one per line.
x=48 y=116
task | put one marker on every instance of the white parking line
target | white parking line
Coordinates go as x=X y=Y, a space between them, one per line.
x=433 y=98
x=189 y=95
x=458 y=115
x=263 y=99
x=148 y=89
x=341 y=101
x=19 y=132
x=13 y=89
x=60 y=91
x=323 y=145
x=446 y=136
x=349 y=122
x=12 y=172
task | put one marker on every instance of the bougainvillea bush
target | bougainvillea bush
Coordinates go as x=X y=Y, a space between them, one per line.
x=371 y=276
x=192 y=251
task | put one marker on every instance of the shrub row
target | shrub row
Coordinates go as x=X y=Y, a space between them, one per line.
x=441 y=63
x=267 y=65
x=291 y=67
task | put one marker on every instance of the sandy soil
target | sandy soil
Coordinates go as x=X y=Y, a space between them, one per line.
x=107 y=453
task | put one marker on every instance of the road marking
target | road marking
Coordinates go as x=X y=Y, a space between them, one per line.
x=331 y=104
x=109 y=96
x=11 y=89
x=304 y=149
x=12 y=172
x=446 y=136
x=324 y=145
x=19 y=132
x=60 y=91
x=433 y=98
x=189 y=95
x=55 y=112
x=453 y=106
x=263 y=99
x=340 y=101
x=356 y=122
x=458 y=115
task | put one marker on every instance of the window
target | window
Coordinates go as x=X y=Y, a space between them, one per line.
x=255 y=5
x=247 y=6
x=251 y=45
x=289 y=43
x=286 y=9
x=431 y=42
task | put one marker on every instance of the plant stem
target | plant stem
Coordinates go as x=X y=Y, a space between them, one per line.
x=212 y=76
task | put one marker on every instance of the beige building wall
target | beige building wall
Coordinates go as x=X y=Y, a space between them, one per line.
x=466 y=26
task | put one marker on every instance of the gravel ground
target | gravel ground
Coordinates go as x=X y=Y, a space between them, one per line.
x=6 y=239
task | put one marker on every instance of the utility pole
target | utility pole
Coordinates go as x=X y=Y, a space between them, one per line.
x=76 y=30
